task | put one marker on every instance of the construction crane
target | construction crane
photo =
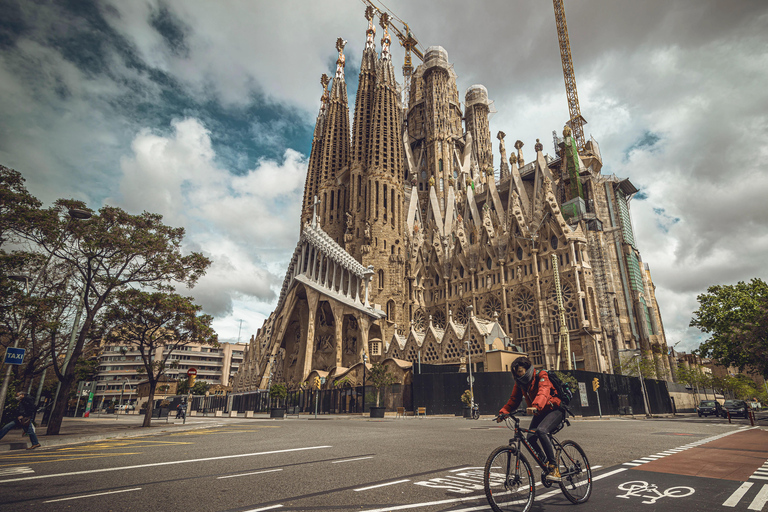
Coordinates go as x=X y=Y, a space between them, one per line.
x=407 y=41
x=564 y=340
x=576 y=121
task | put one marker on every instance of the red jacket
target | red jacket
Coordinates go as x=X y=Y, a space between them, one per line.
x=538 y=394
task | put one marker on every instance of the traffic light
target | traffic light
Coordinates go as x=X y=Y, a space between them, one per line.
x=317 y=382
x=192 y=381
x=595 y=384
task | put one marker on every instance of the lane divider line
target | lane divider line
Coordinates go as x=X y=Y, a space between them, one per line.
x=381 y=485
x=350 y=460
x=247 y=474
x=265 y=508
x=92 y=495
x=155 y=464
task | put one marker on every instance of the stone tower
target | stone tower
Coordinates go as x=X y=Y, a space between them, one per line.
x=476 y=115
x=334 y=156
x=361 y=130
x=434 y=124
x=382 y=182
x=315 y=157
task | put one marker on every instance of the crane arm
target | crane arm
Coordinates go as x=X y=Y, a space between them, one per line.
x=577 y=122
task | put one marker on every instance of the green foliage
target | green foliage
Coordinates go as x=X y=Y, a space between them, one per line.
x=628 y=365
x=466 y=397
x=279 y=392
x=379 y=377
x=567 y=378
x=343 y=382
x=736 y=317
x=200 y=388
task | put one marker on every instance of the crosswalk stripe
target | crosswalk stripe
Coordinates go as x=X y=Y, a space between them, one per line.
x=739 y=493
x=759 y=502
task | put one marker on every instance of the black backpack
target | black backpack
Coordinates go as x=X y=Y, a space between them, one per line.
x=562 y=389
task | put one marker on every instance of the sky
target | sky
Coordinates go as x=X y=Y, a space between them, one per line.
x=203 y=111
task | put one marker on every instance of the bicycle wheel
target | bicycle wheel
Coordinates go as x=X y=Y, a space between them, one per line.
x=508 y=481
x=576 y=474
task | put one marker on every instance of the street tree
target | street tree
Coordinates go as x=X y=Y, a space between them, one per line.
x=111 y=251
x=200 y=388
x=379 y=377
x=629 y=365
x=736 y=318
x=152 y=324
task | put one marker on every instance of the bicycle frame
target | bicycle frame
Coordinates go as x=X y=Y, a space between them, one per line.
x=520 y=438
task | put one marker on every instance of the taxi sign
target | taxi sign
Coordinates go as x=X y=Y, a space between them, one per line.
x=192 y=371
x=14 y=355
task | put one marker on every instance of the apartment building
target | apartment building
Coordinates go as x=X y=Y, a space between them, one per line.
x=121 y=367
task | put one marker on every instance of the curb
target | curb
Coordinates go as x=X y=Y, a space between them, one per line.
x=67 y=439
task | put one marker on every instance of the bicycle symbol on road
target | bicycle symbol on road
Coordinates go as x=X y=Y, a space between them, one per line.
x=651 y=491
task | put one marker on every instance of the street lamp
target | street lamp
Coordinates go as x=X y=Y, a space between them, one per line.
x=469 y=363
x=636 y=354
x=122 y=390
x=74 y=213
x=365 y=363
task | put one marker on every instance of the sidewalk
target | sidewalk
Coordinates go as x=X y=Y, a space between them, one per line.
x=96 y=428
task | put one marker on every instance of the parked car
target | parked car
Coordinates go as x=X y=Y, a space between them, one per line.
x=708 y=407
x=735 y=408
x=127 y=407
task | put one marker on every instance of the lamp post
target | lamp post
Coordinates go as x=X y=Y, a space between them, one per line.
x=122 y=390
x=73 y=214
x=469 y=363
x=365 y=363
x=636 y=354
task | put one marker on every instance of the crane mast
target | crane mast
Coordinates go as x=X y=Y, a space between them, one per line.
x=576 y=121
x=564 y=340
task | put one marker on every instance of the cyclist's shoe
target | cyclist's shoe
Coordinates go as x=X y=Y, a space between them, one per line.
x=553 y=473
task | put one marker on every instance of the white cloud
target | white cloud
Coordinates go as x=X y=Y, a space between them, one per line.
x=243 y=223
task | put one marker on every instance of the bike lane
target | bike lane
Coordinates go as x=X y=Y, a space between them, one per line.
x=725 y=473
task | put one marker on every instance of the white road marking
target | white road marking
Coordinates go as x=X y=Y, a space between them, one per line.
x=138 y=466
x=91 y=495
x=609 y=474
x=737 y=495
x=464 y=469
x=16 y=471
x=595 y=467
x=759 y=477
x=381 y=485
x=759 y=502
x=631 y=464
x=639 y=461
x=246 y=474
x=350 y=460
x=265 y=508
x=427 y=504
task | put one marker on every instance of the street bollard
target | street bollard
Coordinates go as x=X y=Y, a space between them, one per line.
x=729 y=416
x=751 y=418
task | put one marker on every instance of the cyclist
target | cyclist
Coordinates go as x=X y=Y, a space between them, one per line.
x=538 y=391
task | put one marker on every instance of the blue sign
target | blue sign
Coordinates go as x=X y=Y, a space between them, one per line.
x=14 y=355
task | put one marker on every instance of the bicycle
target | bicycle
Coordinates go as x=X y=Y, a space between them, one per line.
x=508 y=478
x=475 y=411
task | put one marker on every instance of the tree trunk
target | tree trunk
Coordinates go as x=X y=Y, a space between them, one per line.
x=150 y=404
x=60 y=407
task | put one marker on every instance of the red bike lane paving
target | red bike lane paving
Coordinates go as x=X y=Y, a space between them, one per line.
x=735 y=457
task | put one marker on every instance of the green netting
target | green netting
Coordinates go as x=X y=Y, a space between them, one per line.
x=635 y=277
x=626 y=223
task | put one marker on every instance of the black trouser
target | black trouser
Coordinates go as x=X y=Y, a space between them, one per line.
x=543 y=424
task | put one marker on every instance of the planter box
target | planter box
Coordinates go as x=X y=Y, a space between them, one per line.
x=377 y=412
x=277 y=412
x=468 y=412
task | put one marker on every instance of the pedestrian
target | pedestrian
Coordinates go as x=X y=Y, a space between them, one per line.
x=180 y=412
x=25 y=411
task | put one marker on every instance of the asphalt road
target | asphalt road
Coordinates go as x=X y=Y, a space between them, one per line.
x=430 y=464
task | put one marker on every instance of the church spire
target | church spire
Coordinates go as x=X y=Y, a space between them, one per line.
x=315 y=161
x=335 y=153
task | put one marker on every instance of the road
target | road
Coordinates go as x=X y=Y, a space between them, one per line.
x=355 y=463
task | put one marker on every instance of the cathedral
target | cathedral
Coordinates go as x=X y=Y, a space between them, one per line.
x=415 y=249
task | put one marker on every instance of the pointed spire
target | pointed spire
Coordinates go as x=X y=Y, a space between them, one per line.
x=315 y=156
x=385 y=39
x=370 y=43
x=341 y=61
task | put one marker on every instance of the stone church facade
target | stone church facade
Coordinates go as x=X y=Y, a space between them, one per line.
x=413 y=248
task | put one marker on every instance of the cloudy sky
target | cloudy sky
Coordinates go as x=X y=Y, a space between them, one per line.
x=203 y=111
